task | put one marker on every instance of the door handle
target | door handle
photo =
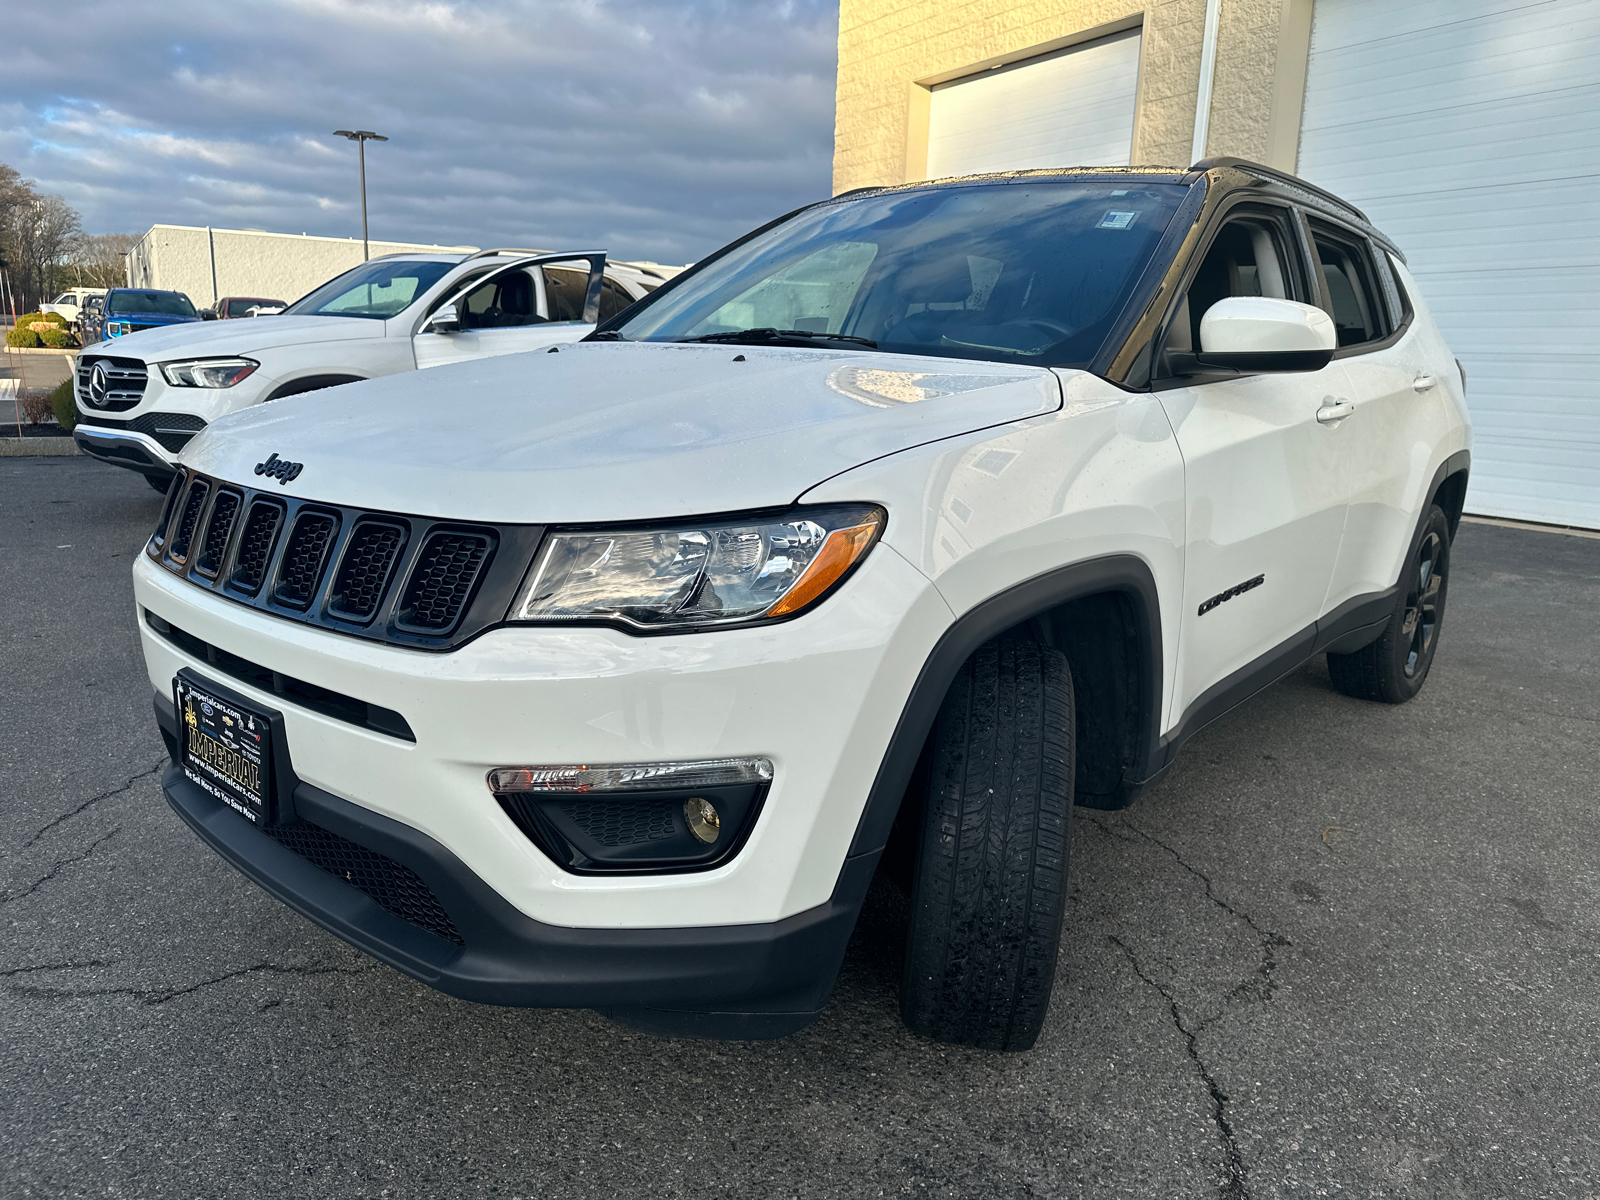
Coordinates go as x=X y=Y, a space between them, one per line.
x=1423 y=382
x=1333 y=411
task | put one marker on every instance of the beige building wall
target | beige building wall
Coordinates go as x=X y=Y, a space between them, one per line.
x=891 y=52
x=248 y=262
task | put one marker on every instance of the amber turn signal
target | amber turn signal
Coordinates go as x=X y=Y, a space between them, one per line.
x=839 y=553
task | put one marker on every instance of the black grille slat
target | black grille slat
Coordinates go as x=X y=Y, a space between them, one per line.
x=223 y=514
x=363 y=575
x=390 y=885
x=304 y=556
x=441 y=581
x=298 y=691
x=174 y=489
x=193 y=503
x=255 y=546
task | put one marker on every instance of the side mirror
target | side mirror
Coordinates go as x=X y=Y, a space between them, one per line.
x=445 y=319
x=1260 y=333
x=208 y=314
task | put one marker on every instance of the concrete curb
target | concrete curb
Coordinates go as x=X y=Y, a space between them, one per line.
x=38 y=350
x=39 y=447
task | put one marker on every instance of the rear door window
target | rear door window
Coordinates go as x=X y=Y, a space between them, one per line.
x=564 y=292
x=613 y=298
x=1350 y=290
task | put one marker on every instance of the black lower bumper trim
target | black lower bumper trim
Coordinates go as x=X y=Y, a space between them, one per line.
x=731 y=981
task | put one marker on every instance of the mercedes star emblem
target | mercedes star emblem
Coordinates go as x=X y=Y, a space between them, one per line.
x=98 y=382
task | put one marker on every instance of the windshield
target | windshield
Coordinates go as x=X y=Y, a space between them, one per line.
x=376 y=290
x=1030 y=272
x=172 y=304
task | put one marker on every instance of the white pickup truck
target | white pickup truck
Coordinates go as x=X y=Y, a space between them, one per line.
x=69 y=305
x=142 y=398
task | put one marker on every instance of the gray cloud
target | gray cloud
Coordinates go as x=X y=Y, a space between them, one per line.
x=657 y=129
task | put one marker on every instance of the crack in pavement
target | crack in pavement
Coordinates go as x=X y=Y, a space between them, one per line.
x=150 y=997
x=1259 y=986
x=61 y=966
x=1237 y=1184
x=93 y=800
x=61 y=862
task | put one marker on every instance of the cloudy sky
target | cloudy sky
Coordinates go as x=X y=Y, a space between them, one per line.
x=655 y=128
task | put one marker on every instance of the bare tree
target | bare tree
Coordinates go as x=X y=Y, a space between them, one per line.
x=98 y=260
x=38 y=232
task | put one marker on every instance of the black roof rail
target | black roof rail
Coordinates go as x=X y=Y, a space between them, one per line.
x=1273 y=173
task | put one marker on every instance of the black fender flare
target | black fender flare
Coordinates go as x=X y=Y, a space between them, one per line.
x=1122 y=573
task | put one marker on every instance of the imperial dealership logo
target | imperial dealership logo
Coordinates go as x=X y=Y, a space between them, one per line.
x=280 y=469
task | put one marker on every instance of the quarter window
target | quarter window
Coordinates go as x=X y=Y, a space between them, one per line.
x=1350 y=292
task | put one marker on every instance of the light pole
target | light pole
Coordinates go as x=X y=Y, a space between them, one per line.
x=361 y=137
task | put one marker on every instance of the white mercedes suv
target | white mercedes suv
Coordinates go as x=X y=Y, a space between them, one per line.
x=141 y=398
x=608 y=675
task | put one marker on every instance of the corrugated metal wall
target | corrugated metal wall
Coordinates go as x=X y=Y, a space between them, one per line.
x=1469 y=130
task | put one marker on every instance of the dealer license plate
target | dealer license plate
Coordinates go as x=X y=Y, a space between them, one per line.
x=226 y=749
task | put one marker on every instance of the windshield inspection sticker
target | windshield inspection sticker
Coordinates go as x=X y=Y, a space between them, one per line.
x=1117 y=220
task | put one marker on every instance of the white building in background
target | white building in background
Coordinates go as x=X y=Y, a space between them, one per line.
x=207 y=264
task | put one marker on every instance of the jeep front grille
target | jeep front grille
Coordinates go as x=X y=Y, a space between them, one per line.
x=442 y=581
x=364 y=571
x=389 y=577
x=193 y=504
x=304 y=556
x=218 y=529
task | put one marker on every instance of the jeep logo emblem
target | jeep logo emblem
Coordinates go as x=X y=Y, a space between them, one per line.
x=277 y=468
x=99 y=383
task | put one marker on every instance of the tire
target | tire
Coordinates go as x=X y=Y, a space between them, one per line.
x=1394 y=668
x=990 y=877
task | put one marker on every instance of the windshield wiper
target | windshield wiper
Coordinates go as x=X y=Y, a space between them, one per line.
x=803 y=336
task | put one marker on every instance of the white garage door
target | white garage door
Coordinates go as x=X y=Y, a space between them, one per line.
x=1469 y=130
x=1068 y=109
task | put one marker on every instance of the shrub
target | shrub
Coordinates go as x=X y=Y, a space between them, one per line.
x=57 y=338
x=35 y=406
x=22 y=337
x=63 y=405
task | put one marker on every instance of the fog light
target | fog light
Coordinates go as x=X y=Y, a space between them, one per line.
x=703 y=820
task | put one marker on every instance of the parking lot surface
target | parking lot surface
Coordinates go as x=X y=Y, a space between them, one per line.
x=1344 y=950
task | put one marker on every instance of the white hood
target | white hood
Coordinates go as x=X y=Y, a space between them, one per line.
x=607 y=431
x=242 y=336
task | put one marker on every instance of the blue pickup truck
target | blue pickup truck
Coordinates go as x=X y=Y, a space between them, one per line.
x=128 y=310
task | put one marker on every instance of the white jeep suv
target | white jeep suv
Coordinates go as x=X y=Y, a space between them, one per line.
x=609 y=675
x=141 y=398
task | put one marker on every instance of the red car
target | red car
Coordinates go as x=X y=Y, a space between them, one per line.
x=240 y=306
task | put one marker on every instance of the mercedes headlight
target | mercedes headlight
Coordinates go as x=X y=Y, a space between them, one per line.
x=208 y=372
x=692 y=574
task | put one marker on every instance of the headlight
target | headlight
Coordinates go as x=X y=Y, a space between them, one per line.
x=208 y=372
x=690 y=575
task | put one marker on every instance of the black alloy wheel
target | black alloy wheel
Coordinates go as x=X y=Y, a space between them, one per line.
x=1394 y=667
x=1423 y=604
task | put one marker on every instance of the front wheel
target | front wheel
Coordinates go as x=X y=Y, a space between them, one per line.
x=1394 y=668
x=991 y=870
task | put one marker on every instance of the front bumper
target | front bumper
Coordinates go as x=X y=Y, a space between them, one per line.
x=820 y=696
x=735 y=981
x=125 y=448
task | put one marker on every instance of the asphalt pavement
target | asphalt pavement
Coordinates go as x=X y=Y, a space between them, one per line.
x=1343 y=950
